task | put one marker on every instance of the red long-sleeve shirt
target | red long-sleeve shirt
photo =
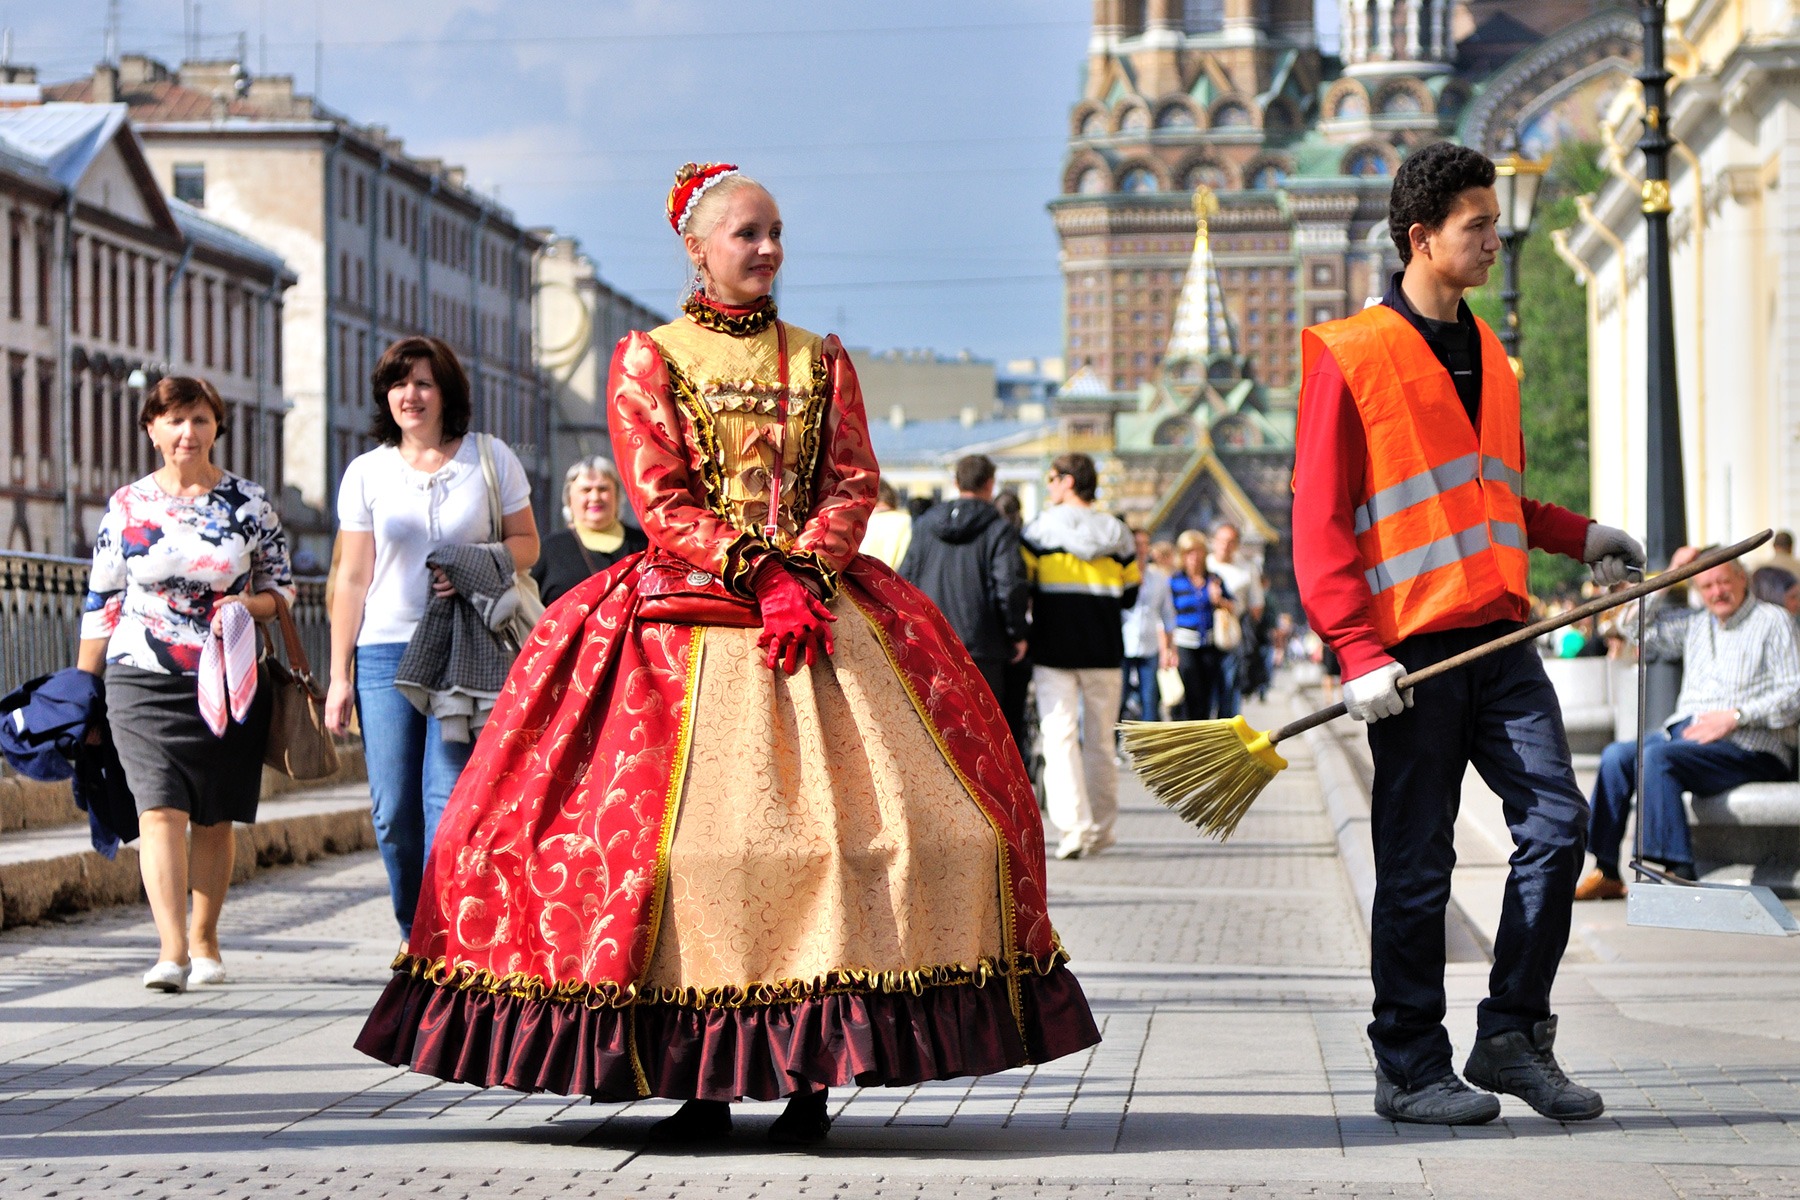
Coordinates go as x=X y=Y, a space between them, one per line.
x=1330 y=453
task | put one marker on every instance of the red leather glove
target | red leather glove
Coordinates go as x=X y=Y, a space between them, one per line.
x=795 y=625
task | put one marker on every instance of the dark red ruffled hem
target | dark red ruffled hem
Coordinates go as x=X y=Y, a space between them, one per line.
x=870 y=1039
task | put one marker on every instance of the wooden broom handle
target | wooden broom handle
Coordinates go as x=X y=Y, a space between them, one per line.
x=1598 y=604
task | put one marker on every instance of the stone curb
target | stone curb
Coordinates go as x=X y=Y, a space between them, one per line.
x=1347 y=807
x=35 y=804
x=63 y=875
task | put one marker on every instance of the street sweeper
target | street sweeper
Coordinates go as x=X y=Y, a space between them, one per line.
x=1411 y=528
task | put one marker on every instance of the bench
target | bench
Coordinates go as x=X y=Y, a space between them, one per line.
x=1750 y=834
x=1584 y=689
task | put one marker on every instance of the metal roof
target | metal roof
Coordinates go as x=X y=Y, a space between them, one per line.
x=61 y=139
x=935 y=440
x=205 y=231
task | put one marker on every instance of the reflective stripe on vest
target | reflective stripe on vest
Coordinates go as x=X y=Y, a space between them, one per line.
x=1440 y=526
x=1412 y=563
x=1434 y=482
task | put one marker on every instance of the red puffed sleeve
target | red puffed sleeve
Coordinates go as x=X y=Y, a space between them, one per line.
x=661 y=465
x=844 y=494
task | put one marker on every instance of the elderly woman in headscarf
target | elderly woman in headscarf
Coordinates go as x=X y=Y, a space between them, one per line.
x=596 y=536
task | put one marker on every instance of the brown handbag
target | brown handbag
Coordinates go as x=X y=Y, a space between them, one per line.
x=678 y=593
x=299 y=744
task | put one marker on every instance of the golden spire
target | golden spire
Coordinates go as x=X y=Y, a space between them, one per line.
x=1206 y=207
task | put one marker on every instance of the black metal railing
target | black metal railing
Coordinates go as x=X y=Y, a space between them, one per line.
x=41 y=598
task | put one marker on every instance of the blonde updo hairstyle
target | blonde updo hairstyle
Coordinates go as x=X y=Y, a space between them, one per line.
x=709 y=210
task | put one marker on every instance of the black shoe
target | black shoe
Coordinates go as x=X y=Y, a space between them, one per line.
x=804 y=1122
x=1526 y=1067
x=697 y=1123
x=1446 y=1101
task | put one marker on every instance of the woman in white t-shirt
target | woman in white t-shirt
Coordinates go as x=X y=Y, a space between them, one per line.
x=422 y=488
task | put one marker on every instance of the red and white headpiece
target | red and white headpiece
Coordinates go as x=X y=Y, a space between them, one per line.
x=691 y=183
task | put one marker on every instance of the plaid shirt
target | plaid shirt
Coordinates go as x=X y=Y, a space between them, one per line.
x=1749 y=662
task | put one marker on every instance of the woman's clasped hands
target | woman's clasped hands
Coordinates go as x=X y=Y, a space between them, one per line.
x=796 y=625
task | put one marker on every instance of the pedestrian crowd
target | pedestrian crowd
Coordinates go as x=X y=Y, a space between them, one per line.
x=1087 y=622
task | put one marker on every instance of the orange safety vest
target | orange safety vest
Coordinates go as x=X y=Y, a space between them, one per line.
x=1439 y=524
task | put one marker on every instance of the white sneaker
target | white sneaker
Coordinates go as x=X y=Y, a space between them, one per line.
x=1070 y=846
x=206 y=972
x=167 y=977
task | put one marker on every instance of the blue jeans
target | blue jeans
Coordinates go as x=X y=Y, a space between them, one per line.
x=1671 y=766
x=1500 y=714
x=1140 y=681
x=412 y=770
x=1227 y=697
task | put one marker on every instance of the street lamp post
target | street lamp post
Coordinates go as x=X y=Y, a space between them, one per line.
x=1665 y=525
x=1516 y=181
x=1666 y=519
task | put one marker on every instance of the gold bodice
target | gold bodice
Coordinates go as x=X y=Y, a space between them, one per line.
x=728 y=387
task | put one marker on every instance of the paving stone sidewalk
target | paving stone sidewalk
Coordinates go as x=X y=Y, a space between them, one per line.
x=1231 y=981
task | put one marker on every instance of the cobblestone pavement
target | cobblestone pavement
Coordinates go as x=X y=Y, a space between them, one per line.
x=1231 y=981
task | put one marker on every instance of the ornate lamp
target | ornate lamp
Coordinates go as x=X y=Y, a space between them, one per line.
x=1516 y=181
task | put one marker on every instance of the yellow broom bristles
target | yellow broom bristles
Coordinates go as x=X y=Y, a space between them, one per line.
x=1208 y=772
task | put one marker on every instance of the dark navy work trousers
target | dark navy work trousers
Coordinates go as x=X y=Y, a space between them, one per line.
x=1500 y=714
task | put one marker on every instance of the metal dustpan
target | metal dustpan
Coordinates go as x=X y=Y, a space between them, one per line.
x=1666 y=901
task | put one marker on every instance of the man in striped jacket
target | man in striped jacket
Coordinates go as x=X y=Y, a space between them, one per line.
x=1084 y=574
x=1733 y=724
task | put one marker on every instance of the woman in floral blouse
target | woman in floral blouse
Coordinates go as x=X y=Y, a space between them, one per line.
x=174 y=549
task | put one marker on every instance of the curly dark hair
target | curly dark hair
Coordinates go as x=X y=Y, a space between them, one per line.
x=1426 y=187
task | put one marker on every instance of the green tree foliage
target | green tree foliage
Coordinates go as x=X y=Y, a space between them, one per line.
x=1553 y=349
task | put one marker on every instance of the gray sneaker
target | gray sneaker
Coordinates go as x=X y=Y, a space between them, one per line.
x=1526 y=1067
x=1446 y=1101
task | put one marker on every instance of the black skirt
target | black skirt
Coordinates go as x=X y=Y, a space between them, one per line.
x=172 y=760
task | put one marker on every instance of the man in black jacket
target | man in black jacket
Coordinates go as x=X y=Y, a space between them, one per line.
x=966 y=558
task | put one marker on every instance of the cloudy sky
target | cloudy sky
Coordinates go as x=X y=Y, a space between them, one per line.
x=912 y=146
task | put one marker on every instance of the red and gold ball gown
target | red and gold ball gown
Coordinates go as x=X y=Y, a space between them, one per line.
x=670 y=871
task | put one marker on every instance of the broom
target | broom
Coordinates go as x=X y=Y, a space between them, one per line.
x=1211 y=772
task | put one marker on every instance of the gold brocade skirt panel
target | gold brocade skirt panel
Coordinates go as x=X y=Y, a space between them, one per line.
x=820 y=828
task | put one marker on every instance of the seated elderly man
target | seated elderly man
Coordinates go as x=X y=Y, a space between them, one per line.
x=1740 y=697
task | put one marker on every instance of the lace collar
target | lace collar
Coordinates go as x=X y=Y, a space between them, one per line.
x=745 y=321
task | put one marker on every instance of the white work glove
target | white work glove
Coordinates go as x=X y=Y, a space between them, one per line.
x=1373 y=696
x=1609 y=551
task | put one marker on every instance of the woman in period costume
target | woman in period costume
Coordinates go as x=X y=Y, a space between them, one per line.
x=746 y=822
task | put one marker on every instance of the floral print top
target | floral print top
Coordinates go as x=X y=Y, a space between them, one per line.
x=162 y=563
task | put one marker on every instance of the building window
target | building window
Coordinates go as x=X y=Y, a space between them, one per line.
x=249 y=335
x=1268 y=177
x=131 y=300
x=112 y=294
x=387 y=215
x=1321 y=315
x=77 y=425
x=344 y=193
x=230 y=325
x=1232 y=115
x=1136 y=120
x=1401 y=102
x=150 y=303
x=1351 y=105
x=15 y=380
x=361 y=199
x=1138 y=179
x=75 y=288
x=1366 y=163
x=44 y=255
x=95 y=253
x=1175 y=116
x=15 y=271
x=275 y=350
x=46 y=414
x=190 y=183
x=187 y=319
x=206 y=324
